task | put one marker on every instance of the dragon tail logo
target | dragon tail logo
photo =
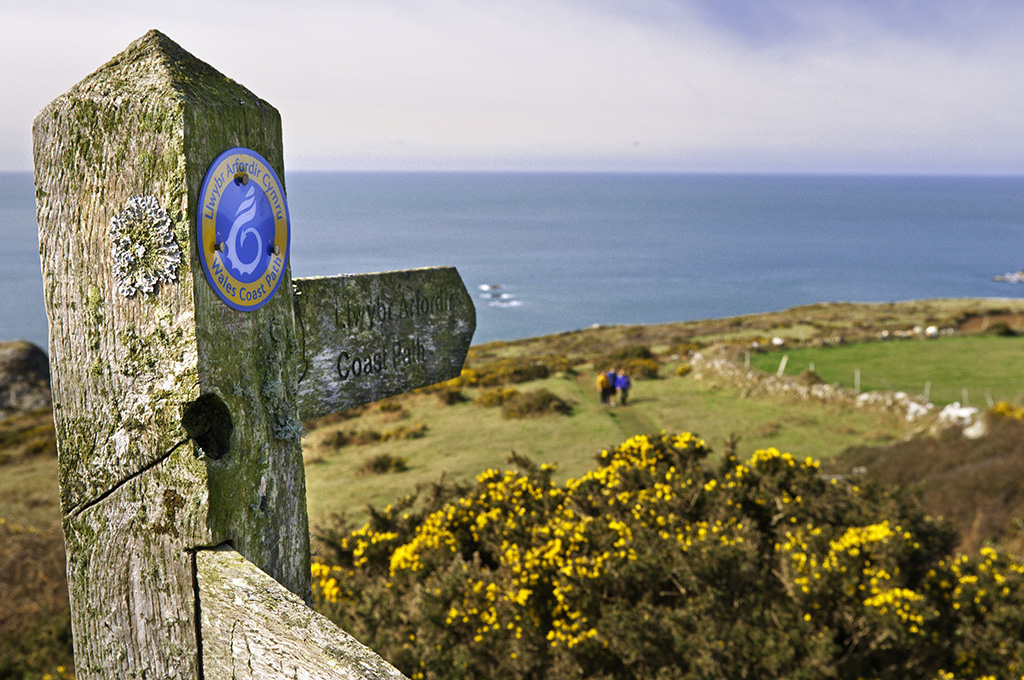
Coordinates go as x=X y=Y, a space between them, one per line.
x=239 y=232
x=243 y=227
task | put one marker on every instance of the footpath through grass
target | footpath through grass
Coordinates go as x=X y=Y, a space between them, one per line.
x=463 y=439
x=984 y=368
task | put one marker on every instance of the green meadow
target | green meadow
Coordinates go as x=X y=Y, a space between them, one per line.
x=463 y=439
x=985 y=368
x=432 y=435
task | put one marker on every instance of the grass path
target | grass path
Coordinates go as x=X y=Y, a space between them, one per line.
x=630 y=422
x=627 y=421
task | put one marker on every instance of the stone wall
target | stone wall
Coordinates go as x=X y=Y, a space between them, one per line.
x=725 y=367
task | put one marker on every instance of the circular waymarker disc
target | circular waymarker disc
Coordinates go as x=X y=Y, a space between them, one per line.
x=244 y=229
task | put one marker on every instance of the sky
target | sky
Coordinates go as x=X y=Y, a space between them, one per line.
x=789 y=86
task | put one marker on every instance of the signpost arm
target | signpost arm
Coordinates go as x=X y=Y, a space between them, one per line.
x=369 y=336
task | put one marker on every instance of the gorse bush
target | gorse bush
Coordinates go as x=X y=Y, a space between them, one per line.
x=513 y=370
x=685 y=349
x=449 y=394
x=535 y=403
x=657 y=565
x=496 y=396
x=1001 y=328
x=641 y=368
x=622 y=355
x=384 y=463
x=500 y=372
x=343 y=438
x=414 y=431
x=636 y=360
x=27 y=435
x=390 y=405
x=1003 y=409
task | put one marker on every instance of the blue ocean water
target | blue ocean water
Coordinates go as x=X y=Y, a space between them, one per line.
x=559 y=252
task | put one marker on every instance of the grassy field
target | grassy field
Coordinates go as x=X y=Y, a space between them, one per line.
x=462 y=440
x=985 y=368
x=28 y=461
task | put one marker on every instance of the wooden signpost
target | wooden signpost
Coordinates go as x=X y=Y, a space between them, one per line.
x=178 y=415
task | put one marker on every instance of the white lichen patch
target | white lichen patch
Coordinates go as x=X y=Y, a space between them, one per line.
x=143 y=246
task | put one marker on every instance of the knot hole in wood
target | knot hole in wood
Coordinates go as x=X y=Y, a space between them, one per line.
x=207 y=421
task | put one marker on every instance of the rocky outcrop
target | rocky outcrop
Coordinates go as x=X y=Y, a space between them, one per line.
x=24 y=378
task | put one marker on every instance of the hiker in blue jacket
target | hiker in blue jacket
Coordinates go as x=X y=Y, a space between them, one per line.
x=622 y=384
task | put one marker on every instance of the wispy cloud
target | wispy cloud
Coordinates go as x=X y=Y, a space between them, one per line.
x=652 y=84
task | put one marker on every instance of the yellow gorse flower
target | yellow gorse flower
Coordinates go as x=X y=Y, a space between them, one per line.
x=519 y=556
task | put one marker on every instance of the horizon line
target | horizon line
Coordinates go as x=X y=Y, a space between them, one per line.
x=638 y=171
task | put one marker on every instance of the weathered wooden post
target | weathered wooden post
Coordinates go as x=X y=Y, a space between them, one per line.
x=179 y=389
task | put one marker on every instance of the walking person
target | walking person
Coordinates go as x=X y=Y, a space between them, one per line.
x=605 y=388
x=612 y=380
x=622 y=384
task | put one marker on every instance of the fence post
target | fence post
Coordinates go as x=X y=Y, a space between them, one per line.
x=177 y=415
x=172 y=411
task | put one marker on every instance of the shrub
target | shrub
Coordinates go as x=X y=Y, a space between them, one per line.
x=450 y=394
x=343 y=438
x=384 y=463
x=621 y=356
x=1003 y=409
x=658 y=565
x=684 y=369
x=1001 y=328
x=642 y=368
x=26 y=435
x=514 y=370
x=448 y=391
x=973 y=483
x=358 y=437
x=411 y=432
x=636 y=368
x=496 y=397
x=535 y=403
x=337 y=417
x=392 y=410
x=686 y=348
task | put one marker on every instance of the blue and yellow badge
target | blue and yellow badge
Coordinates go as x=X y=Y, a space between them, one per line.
x=244 y=233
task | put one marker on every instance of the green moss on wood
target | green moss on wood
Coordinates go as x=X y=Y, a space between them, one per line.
x=94 y=305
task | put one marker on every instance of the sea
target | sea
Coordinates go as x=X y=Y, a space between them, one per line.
x=544 y=253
